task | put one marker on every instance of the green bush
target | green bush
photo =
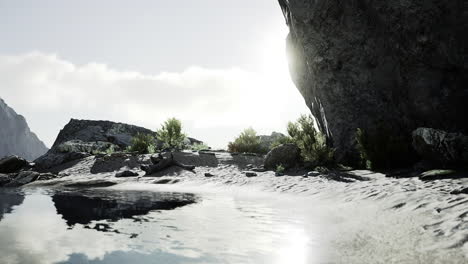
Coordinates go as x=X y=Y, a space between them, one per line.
x=281 y=141
x=199 y=146
x=247 y=141
x=142 y=143
x=312 y=143
x=383 y=149
x=171 y=134
x=280 y=169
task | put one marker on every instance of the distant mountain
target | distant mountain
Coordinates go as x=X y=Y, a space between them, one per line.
x=15 y=136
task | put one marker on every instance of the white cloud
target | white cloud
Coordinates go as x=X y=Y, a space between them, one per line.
x=214 y=104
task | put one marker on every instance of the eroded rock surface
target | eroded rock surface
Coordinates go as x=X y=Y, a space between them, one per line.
x=389 y=64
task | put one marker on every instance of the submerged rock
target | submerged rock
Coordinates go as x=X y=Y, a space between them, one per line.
x=440 y=147
x=12 y=164
x=287 y=155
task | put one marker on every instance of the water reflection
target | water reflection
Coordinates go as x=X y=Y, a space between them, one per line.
x=86 y=206
x=150 y=227
x=9 y=199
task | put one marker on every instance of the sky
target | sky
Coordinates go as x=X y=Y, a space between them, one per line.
x=218 y=66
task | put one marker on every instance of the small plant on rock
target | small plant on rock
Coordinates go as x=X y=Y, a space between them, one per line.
x=199 y=146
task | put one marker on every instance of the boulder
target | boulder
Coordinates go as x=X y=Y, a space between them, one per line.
x=126 y=173
x=207 y=174
x=287 y=155
x=440 y=147
x=388 y=64
x=12 y=164
x=23 y=178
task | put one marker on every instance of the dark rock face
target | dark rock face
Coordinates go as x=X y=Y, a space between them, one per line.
x=12 y=164
x=287 y=155
x=363 y=64
x=15 y=136
x=440 y=147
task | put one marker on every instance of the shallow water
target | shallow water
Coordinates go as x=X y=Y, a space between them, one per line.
x=39 y=226
x=194 y=224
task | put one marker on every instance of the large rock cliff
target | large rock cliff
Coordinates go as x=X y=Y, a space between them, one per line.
x=15 y=136
x=380 y=64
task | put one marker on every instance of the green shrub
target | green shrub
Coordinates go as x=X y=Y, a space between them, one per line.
x=142 y=143
x=110 y=150
x=199 y=146
x=171 y=134
x=383 y=149
x=312 y=143
x=247 y=141
x=280 y=169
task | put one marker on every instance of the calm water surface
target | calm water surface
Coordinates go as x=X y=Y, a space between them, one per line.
x=117 y=226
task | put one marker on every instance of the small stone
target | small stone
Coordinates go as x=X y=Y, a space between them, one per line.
x=277 y=174
x=250 y=174
x=209 y=174
x=258 y=169
x=461 y=191
x=126 y=173
x=313 y=173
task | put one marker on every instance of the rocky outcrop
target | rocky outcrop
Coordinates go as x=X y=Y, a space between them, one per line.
x=384 y=63
x=287 y=155
x=82 y=138
x=15 y=136
x=99 y=131
x=441 y=148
